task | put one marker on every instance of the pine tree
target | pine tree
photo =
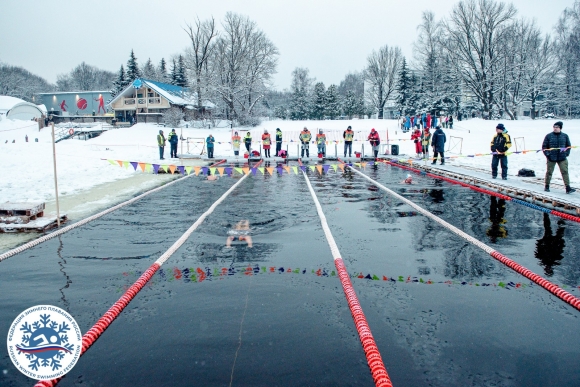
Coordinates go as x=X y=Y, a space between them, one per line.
x=319 y=101
x=132 y=68
x=162 y=72
x=350 y=105
x=180 y=75
x=120 y=82
x=148 y=71
x=173 y=76
x=300 y=101
x=403 y=88
x=332 y=105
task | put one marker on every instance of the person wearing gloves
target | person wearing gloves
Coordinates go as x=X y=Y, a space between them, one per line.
x=500 y=143
x=161 y=144
x=556 y=148
x=375 y=141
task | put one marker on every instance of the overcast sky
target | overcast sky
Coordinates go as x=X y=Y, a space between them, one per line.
x=330 y=37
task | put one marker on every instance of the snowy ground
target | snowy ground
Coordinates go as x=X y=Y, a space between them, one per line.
x=28 y=174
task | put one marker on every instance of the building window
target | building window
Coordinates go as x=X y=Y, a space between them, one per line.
x=526 y=113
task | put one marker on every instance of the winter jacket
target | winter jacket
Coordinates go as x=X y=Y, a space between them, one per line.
x=209 y=141
x=374 y=138
x=160 y=140
x=172 y=137
x=407 y=122
x=266 y=140
x=439 y=140
x=501 y=142
x=305 y=136
x=248 y=138
x=556 y=140
x=348 y=135
x=278 y=136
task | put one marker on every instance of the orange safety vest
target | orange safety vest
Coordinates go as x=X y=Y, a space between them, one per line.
x=320 y=138
x=348 y=135
x=266 y=139
x=236 y=141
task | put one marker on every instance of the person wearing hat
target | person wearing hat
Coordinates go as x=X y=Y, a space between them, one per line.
x=236 y=141
x=172 y=138
x=248 y=141
x=266 y=141
x=278 y=141
x=375 y=141
x=556 y=148
x=408 y=179
x=500 y=143
x=348 y=136
x=321 y=143
x=438 y=143
x=161 y=144
x=425 y=140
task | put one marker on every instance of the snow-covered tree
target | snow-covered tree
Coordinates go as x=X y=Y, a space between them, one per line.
x=133 y=71
x=404 y=89
x=174 y=75
x=148 y=71
x=381 y=76
x=300 y=103
x=332 y=105
x=351 y=104
x=180 y=73
x=20 y=83
x=120 y=82
x=162 y=75
x=318 y=101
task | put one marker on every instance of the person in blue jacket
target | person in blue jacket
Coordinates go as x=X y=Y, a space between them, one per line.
x=407 y=123
x=173 y=143
x=438 y=144
x=209 y=143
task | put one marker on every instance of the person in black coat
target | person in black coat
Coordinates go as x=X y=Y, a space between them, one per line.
x=438 y=143
x=173 y=139
x=500 y=143
x=556 y=147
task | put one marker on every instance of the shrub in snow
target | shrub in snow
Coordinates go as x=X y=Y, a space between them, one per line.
x=172 y=117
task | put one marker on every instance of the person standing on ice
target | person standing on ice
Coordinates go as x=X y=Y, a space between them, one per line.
x=416 y=137
x=438 y=144
x=321 y=143
x=348 y=136
x=161 y=144
x=425 y=140
x=209 y=143
x=375 y=141
x=500 y=143
x=173 y=143
x=248 y=141
x=305 y=138
x=556 y=148
x=236 y=141
x=278 y=141
x=266 y=141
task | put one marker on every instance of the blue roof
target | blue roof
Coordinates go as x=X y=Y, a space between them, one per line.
x=176 y=90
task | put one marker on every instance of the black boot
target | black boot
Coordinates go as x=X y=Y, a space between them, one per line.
x=547 y=188
x=569 y=189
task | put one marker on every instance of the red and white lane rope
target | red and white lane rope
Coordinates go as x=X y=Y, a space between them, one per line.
x=374 y=360
x=552 y=288
x=63 y=230
x=103 y=323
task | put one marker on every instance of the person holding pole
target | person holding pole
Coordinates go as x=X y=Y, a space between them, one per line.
x=556 y=147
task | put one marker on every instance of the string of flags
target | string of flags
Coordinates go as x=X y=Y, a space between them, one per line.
x=190 y=274
x=230 y=171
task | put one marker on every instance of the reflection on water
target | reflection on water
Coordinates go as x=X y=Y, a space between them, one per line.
x=550 y=248
x=497 y=219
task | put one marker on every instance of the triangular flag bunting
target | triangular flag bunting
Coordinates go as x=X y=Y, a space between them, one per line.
x=312 y=167
x=221 y=170
x=196 y=170
x=134 y=164
x=212 y=171
x=246 y=170
x=112 y=162
x=228 y=170
x=363 y=165
x=120 y=163
x=270 y=170
x=325 y=168
x=172 y=168
x=319 y=168
x=254 y=170
x=125 y=164
x=239 y=170
x=280 y=170
x=341 y=166
x=287 y=168
x=261 y=169
x=148 y=167
x=188 y=170
x=204 y=170
x=295 y=169
x=142 y=166
x=181 y=169
x=155 y=168
x=335 y=167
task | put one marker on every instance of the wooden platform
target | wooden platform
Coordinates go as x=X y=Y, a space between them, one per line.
x=516 y=189
x=26 y=217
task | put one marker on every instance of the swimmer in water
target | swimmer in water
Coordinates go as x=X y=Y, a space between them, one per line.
x=408 y=179
x=240 y=232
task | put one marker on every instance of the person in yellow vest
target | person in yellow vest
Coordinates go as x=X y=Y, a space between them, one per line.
x=161 y=144
x=425 y=141
x=321 y=143
x=305 y=138
x=266 y=141
x=236 y=141
x=348 y=136
x=248 y=141
x=278 y=141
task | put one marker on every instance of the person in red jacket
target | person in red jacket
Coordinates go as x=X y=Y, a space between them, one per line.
x=266 y=142
x=428 y=120
x=375 y=141
x=416 y=137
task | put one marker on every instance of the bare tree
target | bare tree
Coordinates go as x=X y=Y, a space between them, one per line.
x=202 y=37
x=380 y=76
x=472 y=39
x=21 y=83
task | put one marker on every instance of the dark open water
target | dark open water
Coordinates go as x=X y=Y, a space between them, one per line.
x=485 y=327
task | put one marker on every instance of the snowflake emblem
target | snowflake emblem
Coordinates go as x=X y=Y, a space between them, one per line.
x=45 y=343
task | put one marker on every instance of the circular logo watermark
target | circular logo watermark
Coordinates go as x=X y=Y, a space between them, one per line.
x=44 y=342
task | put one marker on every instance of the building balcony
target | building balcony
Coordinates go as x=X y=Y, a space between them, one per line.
x=142 y=101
